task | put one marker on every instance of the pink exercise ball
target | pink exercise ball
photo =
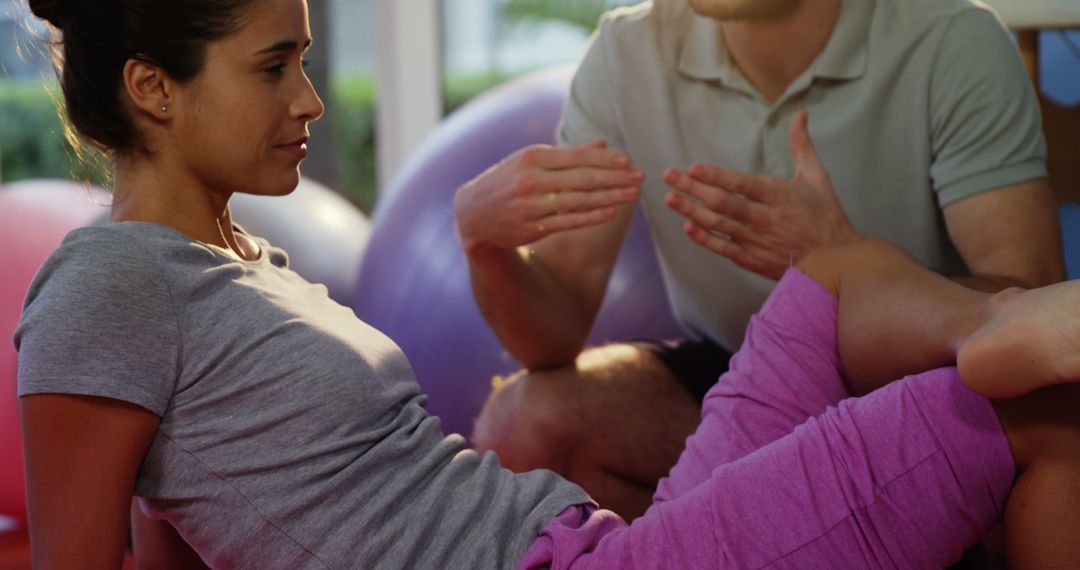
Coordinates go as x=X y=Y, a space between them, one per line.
x=35 y=215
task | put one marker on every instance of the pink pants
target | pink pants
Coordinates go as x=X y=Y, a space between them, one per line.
x=787 y=470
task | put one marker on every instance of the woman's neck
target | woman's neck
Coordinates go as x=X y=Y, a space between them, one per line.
x=145 y=191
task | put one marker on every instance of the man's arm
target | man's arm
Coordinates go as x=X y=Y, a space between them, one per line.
x=989 y=158
x=541 y=231
x=1009 y=237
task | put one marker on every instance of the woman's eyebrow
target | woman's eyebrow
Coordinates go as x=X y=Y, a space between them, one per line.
x=283 y=45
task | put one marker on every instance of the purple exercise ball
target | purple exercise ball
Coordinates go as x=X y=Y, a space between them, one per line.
x=414 y=281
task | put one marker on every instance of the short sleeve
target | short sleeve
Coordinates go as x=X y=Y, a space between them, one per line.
x=99 y=321
x=986 y=128
x=590 y=111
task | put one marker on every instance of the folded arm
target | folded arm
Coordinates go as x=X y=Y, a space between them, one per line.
x=541 y=231
x=82 y=456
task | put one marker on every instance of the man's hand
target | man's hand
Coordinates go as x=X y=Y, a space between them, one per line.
x=540 y=190
x=762 y=223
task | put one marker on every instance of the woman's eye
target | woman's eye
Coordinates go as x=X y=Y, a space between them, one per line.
x=276 y=70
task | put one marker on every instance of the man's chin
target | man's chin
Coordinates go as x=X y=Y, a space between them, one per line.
x=745 y=10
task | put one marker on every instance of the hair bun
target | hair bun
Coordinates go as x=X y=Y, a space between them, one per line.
x=54 y=11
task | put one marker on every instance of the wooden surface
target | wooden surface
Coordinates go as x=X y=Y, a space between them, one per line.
x=1060 y=124
x=1062 y=128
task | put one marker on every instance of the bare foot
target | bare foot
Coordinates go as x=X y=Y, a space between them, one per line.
x=1030 y=340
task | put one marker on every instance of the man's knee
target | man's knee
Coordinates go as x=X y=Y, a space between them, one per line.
x=526 y=423
x=550 y=418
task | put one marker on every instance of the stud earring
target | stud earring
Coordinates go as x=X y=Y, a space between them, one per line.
x=164 y=109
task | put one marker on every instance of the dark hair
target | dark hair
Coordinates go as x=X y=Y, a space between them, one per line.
x=97 y=38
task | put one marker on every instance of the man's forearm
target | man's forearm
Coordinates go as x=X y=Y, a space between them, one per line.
x=537 y=320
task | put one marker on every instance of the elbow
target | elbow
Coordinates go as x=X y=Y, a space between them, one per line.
x=554 y=355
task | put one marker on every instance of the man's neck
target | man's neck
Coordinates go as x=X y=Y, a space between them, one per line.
x=771 y=54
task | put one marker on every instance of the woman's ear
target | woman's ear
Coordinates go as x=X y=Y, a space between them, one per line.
x=148 y=87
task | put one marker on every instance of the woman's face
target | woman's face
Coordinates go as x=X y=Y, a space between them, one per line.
x=243 y=125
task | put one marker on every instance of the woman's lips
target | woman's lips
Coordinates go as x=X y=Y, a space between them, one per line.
x=296 y=149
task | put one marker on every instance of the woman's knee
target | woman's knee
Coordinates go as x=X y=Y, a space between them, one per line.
x=1043 y=426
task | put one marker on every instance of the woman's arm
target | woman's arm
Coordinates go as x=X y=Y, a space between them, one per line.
x=82 y=455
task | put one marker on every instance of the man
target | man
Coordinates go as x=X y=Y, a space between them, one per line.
x=924 y=130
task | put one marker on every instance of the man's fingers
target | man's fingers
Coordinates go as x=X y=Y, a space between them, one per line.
x=558 y=158
x=588 y=178
x=728 y=248
x=753 y=187
x=808 y=165
x=571 y=221
x=704 y=217
x=717 y=244
x=740 y=254
x=719 y=199
x=582 y=201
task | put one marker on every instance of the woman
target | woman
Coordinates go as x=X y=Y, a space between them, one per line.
x=171 y=356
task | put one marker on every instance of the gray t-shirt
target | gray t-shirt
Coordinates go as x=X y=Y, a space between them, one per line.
x=914 y=105
x=292 y=434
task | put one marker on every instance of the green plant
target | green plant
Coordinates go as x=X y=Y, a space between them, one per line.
x=459 y=88
x=32 y=143
x=354 y=134
x=355 y=99
x=581 y=13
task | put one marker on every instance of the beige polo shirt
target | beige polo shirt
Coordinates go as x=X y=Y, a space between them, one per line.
x=914 y=104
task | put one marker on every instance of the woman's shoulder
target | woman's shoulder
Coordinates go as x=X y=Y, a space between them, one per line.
x=105 y=261
x=93 y=245
x=136 y=246
x=113 y=237
x=99 y=320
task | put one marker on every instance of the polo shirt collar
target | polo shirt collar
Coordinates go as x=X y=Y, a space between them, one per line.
x=705 y=56
x=844 y=57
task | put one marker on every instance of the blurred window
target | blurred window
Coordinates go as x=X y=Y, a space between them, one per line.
x=490 y=41
x=485 y=42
